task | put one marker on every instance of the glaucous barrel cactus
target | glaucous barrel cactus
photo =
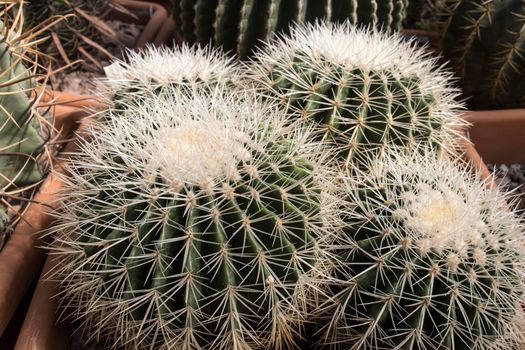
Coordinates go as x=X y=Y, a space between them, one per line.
x=187 y=221
x=143 y=74
x=430 y=259
x=484 y=41
x=366 y=90
x=239 y=26
x=20 y=139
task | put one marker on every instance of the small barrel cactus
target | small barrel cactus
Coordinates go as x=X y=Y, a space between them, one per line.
x=149 y=72
x=187 y=222
x=430 y=259
x=484 y=40
x=21 y=141
x=366 y=90
x=238 y=26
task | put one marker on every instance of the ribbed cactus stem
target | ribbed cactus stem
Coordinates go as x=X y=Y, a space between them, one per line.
x=187 y=222
x=431 y=259
x=20 y=140
x=365 y=90
x=239 y=26
x=484 y=42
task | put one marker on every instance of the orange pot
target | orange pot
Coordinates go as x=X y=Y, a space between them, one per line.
x=499 y=135
x=151 y=14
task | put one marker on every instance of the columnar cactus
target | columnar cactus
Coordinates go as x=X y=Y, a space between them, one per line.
x=146 y=73
x=430 y=259
x=366 y=90
x=485 y=44
x=238 y=26
x=187 y=222
x=20 y=139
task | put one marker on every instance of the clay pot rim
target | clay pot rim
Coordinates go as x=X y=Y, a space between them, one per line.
x=158 y=14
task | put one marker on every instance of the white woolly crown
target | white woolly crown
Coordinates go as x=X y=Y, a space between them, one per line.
x=353 y=48
x=161 y=66
x=445 y=208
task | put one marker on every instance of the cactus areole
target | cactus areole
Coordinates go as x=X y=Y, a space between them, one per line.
x=189 y=227
x=432 y=260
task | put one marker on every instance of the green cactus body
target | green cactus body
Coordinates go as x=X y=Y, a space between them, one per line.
x=432 y=259
x=365 y=90
x=239 y=26
x=191 y=231
x=485 y=44
x=20 y=140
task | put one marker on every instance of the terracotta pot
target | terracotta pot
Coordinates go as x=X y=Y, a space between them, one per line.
x=152 y=15
x=53 y=98
x=21 y=260
x=499 y=135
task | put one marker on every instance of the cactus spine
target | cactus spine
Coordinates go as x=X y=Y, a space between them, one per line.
x=485 y=44
x=238 y=26
x=21 y=141
x=149 y=72
x=366 y=90
x=187 y=222
x=430 y=259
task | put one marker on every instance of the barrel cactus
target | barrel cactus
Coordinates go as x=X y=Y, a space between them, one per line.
x=143 y=74
x=366 y=90
x=431 y=258
x=21 y=141
x=187 y=221
x=238 y=26
x=484 y=40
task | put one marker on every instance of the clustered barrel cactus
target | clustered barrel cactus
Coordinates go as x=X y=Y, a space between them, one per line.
x=485 y=44
x=21 y=141
x=366 y=90
x=238 y=26
x=208 y=208
x=188 y=224
x=431 y=258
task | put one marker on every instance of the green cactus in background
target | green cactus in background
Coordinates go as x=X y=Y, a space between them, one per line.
x=484 y=41
x=366 y=90
x=78 y=35
x=187 y=221
x=431 y=258
x=21 y=141
x=143 y=74
x=239 y=26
